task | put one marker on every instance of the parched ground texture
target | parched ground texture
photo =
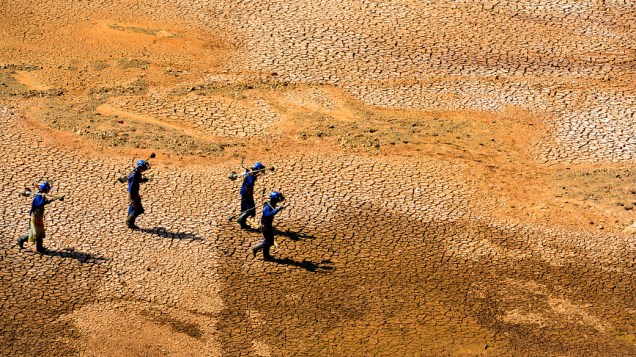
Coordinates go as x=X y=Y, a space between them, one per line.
x=458 y=175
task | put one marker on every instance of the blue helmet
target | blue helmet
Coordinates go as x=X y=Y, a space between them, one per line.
x=45 y=186
x=258 y=166
x=143 y=165
x=277 y=196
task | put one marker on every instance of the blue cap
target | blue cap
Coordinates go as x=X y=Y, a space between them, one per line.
x=277 y=196
x=143 y=165
x=258 y=166
x=45 y=186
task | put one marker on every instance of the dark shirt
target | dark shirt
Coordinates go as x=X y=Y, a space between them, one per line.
x=269 y=211
x=248 y=185
x=39 y=201
x=134 y=180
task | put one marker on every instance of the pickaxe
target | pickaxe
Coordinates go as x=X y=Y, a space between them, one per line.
x=124 y=178
x=233 y=175
x=233 y=217
x=27 y=192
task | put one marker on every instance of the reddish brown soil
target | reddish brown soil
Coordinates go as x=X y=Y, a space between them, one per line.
x=459 y=176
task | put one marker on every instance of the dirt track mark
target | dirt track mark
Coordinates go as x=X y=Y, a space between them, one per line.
x=108 y=110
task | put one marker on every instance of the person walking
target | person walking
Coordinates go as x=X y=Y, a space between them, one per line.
x=37 y=232
x=267 y=224
x=248 y=206
x=135 y=209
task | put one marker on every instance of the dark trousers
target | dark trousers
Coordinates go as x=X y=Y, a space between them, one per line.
x=247 y=203
x=39 y=242
x=268 y=242
x=134 y=210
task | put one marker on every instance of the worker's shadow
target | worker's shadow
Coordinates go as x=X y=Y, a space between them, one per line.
x=308 y=265
x=71 y=253
x=162 y=232
x=295 y=236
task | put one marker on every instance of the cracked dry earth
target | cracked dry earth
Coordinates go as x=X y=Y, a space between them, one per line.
x=458 y=175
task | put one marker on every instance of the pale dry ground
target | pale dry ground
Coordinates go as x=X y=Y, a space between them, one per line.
x=459 y=177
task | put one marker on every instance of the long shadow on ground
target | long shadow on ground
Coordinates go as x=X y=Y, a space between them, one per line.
x=305 y=264
x=164 y=233
x=293 y=235
x=73 y=254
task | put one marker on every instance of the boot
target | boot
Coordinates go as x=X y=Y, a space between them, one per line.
x=242 y=220
x=266 y=255
x=256 y=248
x=130 y=221
x=22 y=240
x=39 y=247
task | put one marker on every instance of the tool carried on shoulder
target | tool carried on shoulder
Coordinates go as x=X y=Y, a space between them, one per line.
x=234 y=175
x=27 y=192
x=124 y=178
x=41 y=189
x=233 y=217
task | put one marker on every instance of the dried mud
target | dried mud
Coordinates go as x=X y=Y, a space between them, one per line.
x=459 y=176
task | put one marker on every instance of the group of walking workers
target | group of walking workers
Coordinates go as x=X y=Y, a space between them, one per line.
x=271 y=207
x=248 y=209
